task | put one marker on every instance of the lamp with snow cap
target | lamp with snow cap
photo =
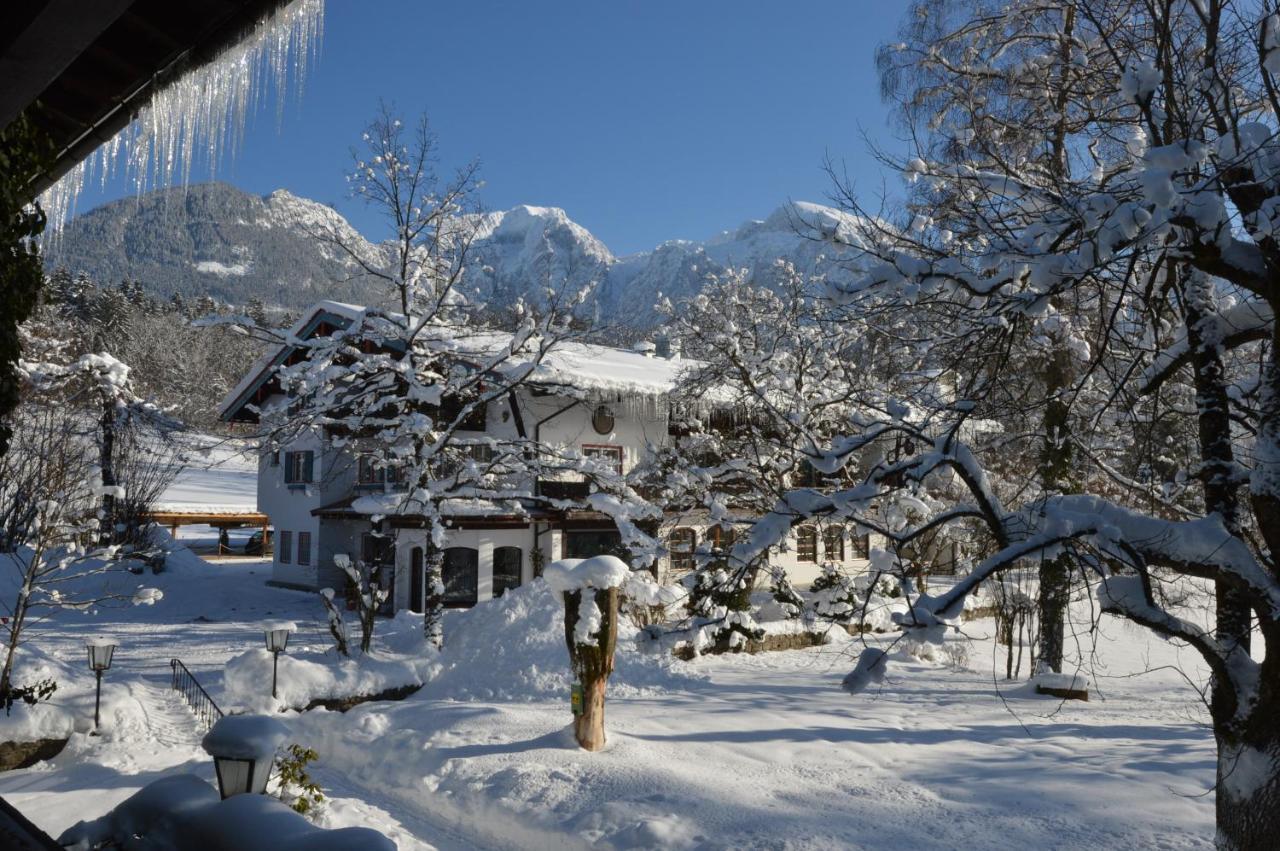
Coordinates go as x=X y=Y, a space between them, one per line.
x=243 y=748
x=100 y=653
x=277 y=635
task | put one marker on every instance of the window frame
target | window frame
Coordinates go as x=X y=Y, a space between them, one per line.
x=682 y=554
x=830 y=535
x=494 y=591
x=302 y=473
x=596 y=451
x=807 y=544
x=602 y=412
x=302 y=555
x=861 y=548
x=284 y=546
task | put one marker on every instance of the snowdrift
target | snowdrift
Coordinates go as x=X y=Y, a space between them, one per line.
x=513 y=649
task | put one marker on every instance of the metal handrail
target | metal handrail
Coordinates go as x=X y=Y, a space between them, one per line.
x=197 y=698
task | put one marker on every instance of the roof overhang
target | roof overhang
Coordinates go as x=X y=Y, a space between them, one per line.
x=81 y=69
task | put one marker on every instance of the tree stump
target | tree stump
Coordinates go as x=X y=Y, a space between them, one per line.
x=592 y=662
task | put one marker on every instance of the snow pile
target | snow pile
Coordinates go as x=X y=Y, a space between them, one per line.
x=183 y=811
x=253 y=737
x=308 y=675
x=513 y=649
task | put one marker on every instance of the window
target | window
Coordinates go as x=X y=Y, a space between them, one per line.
x=451 y=407
x=721 y=539
x=304 y=548
x=806 y=544
x=602 y=419
x=607 y=455
x=284 y=547
x=298 y=467
x=681 y=543
x=460 y=574
x=506 y=569
x=372 y=470
x=377 y=550
x=597 y=542
x=833 y=543
x=861 y=546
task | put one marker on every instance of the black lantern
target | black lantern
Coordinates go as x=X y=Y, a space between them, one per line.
x=100 y=653
x=243 y=748
x=277 y=635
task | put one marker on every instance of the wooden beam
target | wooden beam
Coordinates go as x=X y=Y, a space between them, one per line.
x=48 y=44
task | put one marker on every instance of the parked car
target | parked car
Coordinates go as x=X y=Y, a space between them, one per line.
x=253 y=547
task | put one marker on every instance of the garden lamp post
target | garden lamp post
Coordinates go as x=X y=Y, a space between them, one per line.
x=243 y=748
x=277 y=635
x=100 y=653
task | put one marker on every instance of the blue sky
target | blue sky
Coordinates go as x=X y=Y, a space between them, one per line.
x=644 y=121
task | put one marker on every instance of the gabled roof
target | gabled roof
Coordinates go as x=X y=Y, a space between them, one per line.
x=583 y=366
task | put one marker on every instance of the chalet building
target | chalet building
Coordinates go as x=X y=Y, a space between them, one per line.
x=317 y=497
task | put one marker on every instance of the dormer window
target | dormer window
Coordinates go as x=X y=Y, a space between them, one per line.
x=602 y=419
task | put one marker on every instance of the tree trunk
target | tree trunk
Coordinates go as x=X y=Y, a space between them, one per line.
x=592 y=663
x=106 y=461
x=1055 y=471
x=433 y=595
x=1217 y=458
x=1248 y=793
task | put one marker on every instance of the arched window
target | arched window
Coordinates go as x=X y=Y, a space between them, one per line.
x=806 y=543
x=720 y=539
x=417 y=581
x=507 y=562
x=461 y=576
x=833 y=543
x=681 y=543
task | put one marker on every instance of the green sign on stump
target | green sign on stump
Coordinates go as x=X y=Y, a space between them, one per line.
x=576 y=699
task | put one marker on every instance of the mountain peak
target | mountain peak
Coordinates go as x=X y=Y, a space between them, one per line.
x=218 y=240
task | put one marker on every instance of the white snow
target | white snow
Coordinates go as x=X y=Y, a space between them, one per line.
x=223 y=270
x=728 y=751
x=245 y=737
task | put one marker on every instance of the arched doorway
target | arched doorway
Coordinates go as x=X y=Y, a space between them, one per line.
x=461 y=576
x=507 y=564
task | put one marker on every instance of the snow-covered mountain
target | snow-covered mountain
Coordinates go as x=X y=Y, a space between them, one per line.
x=216 y=239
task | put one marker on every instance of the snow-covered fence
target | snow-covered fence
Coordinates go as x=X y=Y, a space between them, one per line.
x=185 y=682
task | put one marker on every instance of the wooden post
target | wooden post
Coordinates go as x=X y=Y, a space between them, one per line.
x=592 y=663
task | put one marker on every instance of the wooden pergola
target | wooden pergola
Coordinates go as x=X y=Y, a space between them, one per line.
x=220 y=520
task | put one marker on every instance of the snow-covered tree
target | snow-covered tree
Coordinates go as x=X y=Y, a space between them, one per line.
x=407 y=382
x=1145 y=191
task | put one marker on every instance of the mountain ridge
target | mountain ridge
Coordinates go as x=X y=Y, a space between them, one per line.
x=216 y=239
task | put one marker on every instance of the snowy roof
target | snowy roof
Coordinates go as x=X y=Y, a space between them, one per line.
x=584 y=366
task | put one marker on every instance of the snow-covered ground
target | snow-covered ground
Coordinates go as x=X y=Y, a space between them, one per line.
x=218 y=475
x=727 y=752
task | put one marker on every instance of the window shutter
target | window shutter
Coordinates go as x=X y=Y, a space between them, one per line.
x=288 y=468
x=307 y=463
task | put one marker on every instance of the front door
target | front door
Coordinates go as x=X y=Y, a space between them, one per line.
x=417 y=582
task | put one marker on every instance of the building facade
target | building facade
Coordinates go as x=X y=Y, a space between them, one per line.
x=315 y=494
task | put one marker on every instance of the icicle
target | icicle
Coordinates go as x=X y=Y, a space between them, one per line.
x=203 y=110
